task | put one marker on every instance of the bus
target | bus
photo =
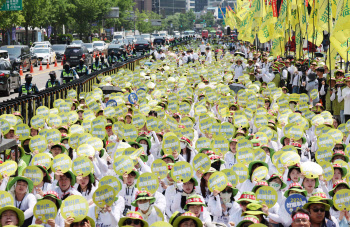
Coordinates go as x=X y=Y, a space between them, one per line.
x=188 y=33
x=219 y=33
x=205 y=34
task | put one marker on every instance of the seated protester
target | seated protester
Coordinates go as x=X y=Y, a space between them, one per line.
x=196 y=205
x=301 y=218
x=257 y=210
x=59 y=220
x=187 y=152
x=248 y=220
x=129 y=190
x=294 y=188
x=248 y=184
x=133 y=218
x=269 y=154
x=108 y=215
x=227 y=204
x=146 y=144
x=21 y=163
x=317 y=211
x=204 y=190
x=168 y=184
x=310 y=185
x=45 y=185
x=86 y=222
x=236 y=212
x=275 y=181
x=292 y=175
x=57 y=149
x=183 y=192
x=20 y=188
x=216 y=162
x=168 y=159
x=230 y=157
x=86 y=186
x=339 y=174
x=11 y=216
x=141 y=166
x=339 y=155
x=187 y=219
x=144 y=204
x=332 y=214
x=26 y=156
x=64 y=184
x=156 y=145
x=273 y=211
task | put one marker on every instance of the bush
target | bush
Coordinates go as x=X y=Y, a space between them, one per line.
x=95 y=39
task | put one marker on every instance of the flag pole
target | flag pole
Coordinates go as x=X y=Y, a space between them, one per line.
x=330 y=59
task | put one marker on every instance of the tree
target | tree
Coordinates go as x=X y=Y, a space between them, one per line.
x=187 y=20
x=143 y=21
x=9 y=19
x=207 y=18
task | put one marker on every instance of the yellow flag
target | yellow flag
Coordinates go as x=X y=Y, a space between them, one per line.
x=341 y=48
x=324 y=16
x=341 y=30
x=303 y=19
x=331 y=54
x=298 y=42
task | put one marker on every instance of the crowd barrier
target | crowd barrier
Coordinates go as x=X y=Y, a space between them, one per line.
x=27 y=105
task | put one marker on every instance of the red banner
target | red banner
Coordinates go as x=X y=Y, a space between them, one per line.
x=274 y=8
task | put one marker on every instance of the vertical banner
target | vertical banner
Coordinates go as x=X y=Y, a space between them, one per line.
x=298 y=48
x=49 y=29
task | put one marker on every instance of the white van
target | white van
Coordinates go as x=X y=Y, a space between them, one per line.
x=4 y=55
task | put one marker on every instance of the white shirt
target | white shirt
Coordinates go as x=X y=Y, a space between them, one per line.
x=345 y=94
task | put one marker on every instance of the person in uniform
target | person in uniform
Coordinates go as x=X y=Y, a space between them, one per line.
x=52 y=82
x=112 y=59
x=28 y=88
x=96 y=66
x=82 y=69
x=68 y=74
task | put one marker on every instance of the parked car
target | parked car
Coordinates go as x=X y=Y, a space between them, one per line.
x=4 y=55
x=45 y=55
x=34 y=44
x=78 y=42
x=100 y=46
x=9 y=78
x=142 y=44
x=19 y=56
x=159 y=40
x=90 y=47
x=59 y=50
x=74 y=53
x=115 y=48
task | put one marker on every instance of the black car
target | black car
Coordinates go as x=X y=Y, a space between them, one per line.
x=20 y=56
x=74 y=53
x=159 y=40
x=142 y=44
x=9 y=78
x=59 y=50
x=115 y=47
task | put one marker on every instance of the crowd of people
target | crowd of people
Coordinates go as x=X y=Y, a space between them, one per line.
x=198 y=136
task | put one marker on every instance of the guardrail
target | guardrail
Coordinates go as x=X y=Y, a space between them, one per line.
x=27 y=105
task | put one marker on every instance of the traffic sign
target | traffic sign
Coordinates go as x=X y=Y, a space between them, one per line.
x=156 y=22
x=12 y=5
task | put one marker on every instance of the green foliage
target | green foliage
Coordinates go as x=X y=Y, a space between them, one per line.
x=209 y=19
x=143 y=21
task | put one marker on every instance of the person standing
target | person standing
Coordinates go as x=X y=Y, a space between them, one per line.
x=52 y=82
x=345 y=94
x=28 y=88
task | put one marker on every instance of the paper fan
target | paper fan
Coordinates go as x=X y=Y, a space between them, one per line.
x=311 y=169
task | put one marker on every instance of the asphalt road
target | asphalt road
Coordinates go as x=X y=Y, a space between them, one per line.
x=39 y=78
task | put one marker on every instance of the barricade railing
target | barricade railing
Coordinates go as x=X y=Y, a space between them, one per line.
x=27 y=105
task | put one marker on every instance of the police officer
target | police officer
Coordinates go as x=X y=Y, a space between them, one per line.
x=112 y=59
x=68 y=74
x=96 y=65
x=82 y=69
x=28 y=88
x=52 y=82
x=104 y=64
